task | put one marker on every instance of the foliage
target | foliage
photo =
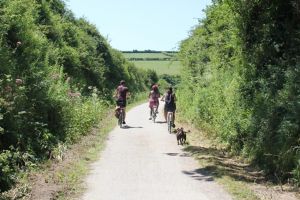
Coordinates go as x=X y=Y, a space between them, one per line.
x=241 y=80
x=57 y=77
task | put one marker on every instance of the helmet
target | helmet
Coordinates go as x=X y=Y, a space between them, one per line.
x=122 y=82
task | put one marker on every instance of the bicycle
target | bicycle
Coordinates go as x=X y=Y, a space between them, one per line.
x=170 y=121
x=121 y=117
x=154 y=113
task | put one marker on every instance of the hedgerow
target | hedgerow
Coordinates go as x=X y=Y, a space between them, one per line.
x=241 y=81
x=57 y=76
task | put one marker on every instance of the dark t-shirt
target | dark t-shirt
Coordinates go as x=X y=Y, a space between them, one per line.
x=122 y=92
x=170 y=100
x=170 y=105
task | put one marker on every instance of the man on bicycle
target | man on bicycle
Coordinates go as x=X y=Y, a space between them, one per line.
x=121 y=94
x=170 y=105
x=154 y=96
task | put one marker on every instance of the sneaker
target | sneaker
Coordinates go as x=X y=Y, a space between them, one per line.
x=124 y=122
x=150 y=118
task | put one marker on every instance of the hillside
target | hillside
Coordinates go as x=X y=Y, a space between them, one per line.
x=162 y=62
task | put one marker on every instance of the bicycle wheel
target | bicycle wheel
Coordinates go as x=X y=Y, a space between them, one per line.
x=153 y=114
x=170 y=120
x=121 y=117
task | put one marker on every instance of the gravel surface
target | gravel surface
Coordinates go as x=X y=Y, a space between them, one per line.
x=143 y=161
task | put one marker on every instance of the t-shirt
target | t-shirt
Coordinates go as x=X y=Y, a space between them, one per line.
x=170 y=99
x=154 y=95
x=122 y=92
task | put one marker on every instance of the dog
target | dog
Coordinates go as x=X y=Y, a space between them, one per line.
x=181 y=136
x=117 y=112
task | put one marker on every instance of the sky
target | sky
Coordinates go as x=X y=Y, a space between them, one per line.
x=141 y=24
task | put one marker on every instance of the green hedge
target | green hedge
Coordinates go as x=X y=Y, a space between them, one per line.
x=57 y=77
x=241 y=81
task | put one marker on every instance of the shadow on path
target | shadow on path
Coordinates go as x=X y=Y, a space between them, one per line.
x=217 y=164
x=129 y=127
x=178 y=154
x=201 y=174
x=160 y=122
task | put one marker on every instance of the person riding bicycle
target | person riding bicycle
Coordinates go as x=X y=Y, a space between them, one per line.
x=153 y=96
x=121 y=94
x=170 y=105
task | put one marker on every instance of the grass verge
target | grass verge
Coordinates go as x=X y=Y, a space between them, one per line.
x=237 y=176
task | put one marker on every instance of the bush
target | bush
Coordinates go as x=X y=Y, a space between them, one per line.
x=57 y=77
x=241 y=81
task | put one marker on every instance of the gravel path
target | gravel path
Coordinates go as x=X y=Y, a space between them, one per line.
x=144 y=162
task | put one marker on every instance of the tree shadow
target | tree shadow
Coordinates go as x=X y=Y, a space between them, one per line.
x=221 y=164
x=201 y=174
x=178 y=154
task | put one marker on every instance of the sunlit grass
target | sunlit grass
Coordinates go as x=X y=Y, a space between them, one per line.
x=161 y=67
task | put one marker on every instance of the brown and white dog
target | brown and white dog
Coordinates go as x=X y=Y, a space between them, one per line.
x=181 y=136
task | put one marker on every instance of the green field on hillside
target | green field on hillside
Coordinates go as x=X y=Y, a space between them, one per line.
x=161 y=66
x=149 y=55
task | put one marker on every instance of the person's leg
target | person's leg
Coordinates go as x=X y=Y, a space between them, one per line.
x=156 y=109
x=165 y=113
x=174 y=119
x=151 y=110
x=124 y=110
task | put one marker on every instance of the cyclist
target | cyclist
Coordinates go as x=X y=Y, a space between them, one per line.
x=170 y=105
x=153 y=96
x=121 y=94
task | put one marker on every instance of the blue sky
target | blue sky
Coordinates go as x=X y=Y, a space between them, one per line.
x=141 y=24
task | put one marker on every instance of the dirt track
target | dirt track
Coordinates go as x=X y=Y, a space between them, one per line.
x=144 y=162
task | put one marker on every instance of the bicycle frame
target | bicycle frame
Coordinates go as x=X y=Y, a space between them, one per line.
x=153 y=113
x=121 y=117
x=170 y=121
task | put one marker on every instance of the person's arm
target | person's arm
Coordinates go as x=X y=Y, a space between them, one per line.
x=116 y=93
x=168 y=98
x=163 y=97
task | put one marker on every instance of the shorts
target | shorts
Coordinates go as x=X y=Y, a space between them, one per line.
x=170 y=108
x=121 y=103
x=153 y=103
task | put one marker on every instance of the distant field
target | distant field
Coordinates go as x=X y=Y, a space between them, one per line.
x=148 y=55
x=161 y=66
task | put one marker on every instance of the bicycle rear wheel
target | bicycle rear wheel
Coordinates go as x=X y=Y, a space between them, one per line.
x=170 y=121
x=121 y=118
x=153 y=114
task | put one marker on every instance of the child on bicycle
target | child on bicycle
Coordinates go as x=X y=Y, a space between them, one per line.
x=170 y=103
x=153 y=96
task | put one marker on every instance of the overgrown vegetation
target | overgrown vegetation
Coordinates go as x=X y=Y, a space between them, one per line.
x=57 y=74
x=241 y=81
